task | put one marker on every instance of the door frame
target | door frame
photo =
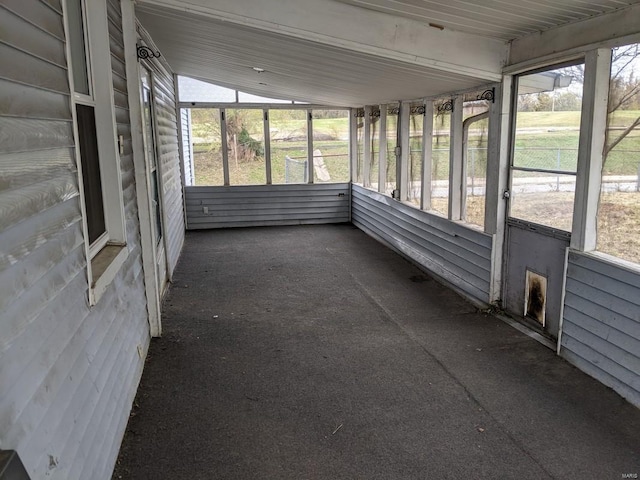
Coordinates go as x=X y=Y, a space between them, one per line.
x=149 y=266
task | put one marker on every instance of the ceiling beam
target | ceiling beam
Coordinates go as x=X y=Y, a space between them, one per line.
x=611 y=29
x=360 y=30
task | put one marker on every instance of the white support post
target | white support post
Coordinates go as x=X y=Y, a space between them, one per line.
x=382 y=152
x=353 y=144
x=225 y=148
x=310 y=171
x=402 y=178
x=455 y=161
x=366 y=167
x=427 y=155
x=267 y=145
x=149 y=265
x=497 y=182
x=593 y=124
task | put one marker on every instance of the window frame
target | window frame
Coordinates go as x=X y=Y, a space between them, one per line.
x=109 y=251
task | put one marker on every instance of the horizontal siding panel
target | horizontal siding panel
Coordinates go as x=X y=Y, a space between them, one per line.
x=458 y=265
x=270 y=223
x=17 y=204
x=26 y=168
x=604 y=315
x=454 y=243
x=458 y=255
x=22 y=34
x=17 y=243
x=627 y=360
x=598 y=297
x=261 y=205
x=619 y=338
x=38 y=14
x=31 y=70
x=459 y=276
x=24 y=101
x=601 y=322
x=611 y=286
x=22 y=135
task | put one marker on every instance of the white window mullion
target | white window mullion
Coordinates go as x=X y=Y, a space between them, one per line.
x=382 y=151
x=225 y=150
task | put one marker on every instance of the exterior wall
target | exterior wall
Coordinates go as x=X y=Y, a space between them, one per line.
x=168 y=156
x=68 y=372
x=263 y=205
x=457 y=254
x=601 y=323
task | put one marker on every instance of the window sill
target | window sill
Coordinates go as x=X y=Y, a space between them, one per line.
x=104 y=267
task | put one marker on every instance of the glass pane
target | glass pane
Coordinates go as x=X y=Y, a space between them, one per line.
x=543 y=198
x=548 y=120
x=245 y=146
x=546 y=137
x=331 y=146
x=374 y=145
x=77 y=46
x=91 y=181
x=416 y=121
x=392 y=143
x=249 y=98
x=207 y=146
x=619 y=209
x=475 y=159
x=192 y=90
x=288 y=130
x=149 y=141
x=440 y=157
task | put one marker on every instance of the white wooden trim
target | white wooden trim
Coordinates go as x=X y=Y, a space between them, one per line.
x=366 y=165
x=497 y=181
x=267 y=145
x=562 y=297
x=455 y=160
x=223 y=142
x=310 y=172
x=105 y=116
x=149 y=266
x=593 y=124
x=402 y=163
x=353 y=143
x=180 y=149
x=382 y=151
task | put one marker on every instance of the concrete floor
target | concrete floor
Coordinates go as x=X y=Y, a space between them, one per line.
x=317 y=353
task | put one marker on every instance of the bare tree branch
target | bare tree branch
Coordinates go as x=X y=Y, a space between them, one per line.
x=627 y=131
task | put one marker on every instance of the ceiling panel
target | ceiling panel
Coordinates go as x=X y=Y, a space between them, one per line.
x=224 y=53
x=506 y=19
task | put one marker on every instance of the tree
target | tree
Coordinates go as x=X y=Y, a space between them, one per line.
x=624 y=90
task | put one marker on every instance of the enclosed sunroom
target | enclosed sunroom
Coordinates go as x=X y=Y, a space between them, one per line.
x=494 y=146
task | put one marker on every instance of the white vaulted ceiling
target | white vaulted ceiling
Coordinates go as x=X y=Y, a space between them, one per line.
x=351 y=52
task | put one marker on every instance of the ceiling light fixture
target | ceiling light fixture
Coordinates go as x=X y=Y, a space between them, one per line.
x=257 y=69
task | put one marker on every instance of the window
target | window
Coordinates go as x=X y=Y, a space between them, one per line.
x=206 y=140
x=289 y=148
x=545 y=153
x=618 y=231
x=330 y=146
x=416 y=122
x=98 y=165
x=358 y=175
x=245 y=146
x=392 y=142
x=440 y=156
x=374 y=148
x=475 y=135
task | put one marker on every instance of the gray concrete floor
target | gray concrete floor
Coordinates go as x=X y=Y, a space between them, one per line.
x=317 y=353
